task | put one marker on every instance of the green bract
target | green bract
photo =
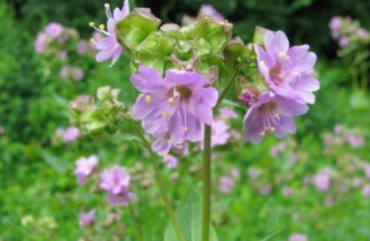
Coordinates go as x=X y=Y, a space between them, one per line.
x=97 y=120
x=136 y=26
x=154 y=51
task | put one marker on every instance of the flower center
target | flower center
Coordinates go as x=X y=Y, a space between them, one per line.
x=184 y=92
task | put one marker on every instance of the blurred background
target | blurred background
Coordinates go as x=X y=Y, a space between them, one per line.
x=315 y=184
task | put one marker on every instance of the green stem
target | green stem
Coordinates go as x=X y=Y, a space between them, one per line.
x=206 y=184
x=206 y=216
x=159 y=181
x=136 y=223
x=225 y=90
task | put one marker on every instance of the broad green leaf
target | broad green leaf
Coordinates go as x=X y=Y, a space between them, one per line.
x=135 y=27
x=189 y=217
x=154 y=51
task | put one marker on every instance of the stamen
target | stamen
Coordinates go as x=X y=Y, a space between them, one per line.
x=171 y=100
x=277 y=115
x=281 y=75
x=148 y=99
x=101 y=27
x=282 y=55
x=106 y=5
x=186 y=128
x=272 y=129
x=165 y=114
x=92 y=41
x=263 y=133
x=91 y=24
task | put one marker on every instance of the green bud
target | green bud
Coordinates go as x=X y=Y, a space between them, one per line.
x=136 y=26
x=259 y=35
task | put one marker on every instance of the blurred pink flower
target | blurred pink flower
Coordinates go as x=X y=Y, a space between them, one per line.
x=64 y=72
x=227 y=113
x=82 y=47
x=298 y=237
x=53 y=30
x=322 y=180
x=265 y=190
x=87 y=219
x=235 y=173
x=355 y=141
x=329 y=201
x=343 y=41
x=77 y=74
x=226 y=184
x=84 y=168
x=71 y=134
x=286 y=191
x=366 y=190
x=170 y=161
x=253 y=173
x=40 y=43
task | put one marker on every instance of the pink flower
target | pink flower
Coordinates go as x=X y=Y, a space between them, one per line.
x=227 y=113
x=253 y=173
x=116 y=182
x=170 y=161
x=109 y=47
x=334 y=25
x=53 y=30
x=220 y=133
x=84 y=168
x=322 y=180
x=41 y=43
x=286 y=191
x=298 y=237
x=343 y=41
x=82 y=47
x=366 y=190
x=77 y=74
x=287 y=70
x=355 y=141
x=209 y=10
x=64 y=72
x=71 y=134
x=265 y=190
x=87 y=219
x=329 y=201
x=173 y=109
x=226 y=184
x=271 y=114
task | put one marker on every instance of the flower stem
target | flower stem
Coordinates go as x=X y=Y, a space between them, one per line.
x=206 y=184
x=159 y=181
x=136 y=223
x=225 y=90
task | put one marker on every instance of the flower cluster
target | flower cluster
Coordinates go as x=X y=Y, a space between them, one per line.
x=347 y=31
x=286 y=90
x=64 y=45
x=115 y=180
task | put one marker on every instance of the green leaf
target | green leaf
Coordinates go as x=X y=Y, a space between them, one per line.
x=154 y=51
x=135 y=27
x=189 y=217
x=59 y=165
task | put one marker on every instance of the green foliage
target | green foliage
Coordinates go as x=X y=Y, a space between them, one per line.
x=189 y=216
